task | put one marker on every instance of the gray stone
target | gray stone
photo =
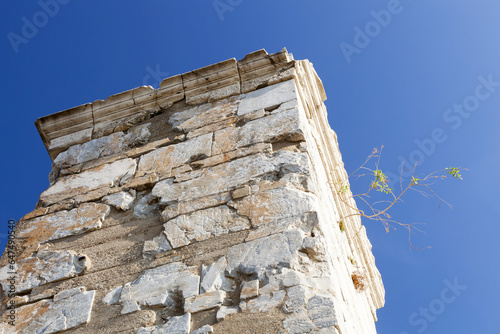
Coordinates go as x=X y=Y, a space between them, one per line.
x=207 y=329
x=315 y=248
x=264 y=303
x=109 y=175
x=153 y=286
x=203 y=225
x=159 y=244
x=321 y=311
x=257 y=256
x=242 y=171
x=298 y=323
x=176 y=325
x=122 y=200
x=113 y=297
x=161 y=161
x=213 y=275
x=146 y=207
x=104 y=146
x=225 y=311
x=287 y=125
x=205 y=301
x=267 y=97
x=45 y=267
x=87 y=217
x=69 y=309
x=296 y=299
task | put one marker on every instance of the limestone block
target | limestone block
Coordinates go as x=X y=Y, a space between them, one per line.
x=203 y=225
x=321 y=311
x=122 y=200
x=87 y=217
x=154 y=286
x=275 y=204
x=207 y=329
x=242 y=171
x=286 y=125
x=225 y=311
x=69 y=309
x=315 y=248
x=66 y=128
x=170 y=91
x=161 y=161
x=205 y=301
x=104 y=146
x=113 y=297
x=268 y=97
x=249 y=289
x=213 y=276
x=255 y=257
x=264 y=303
x=259 y=69
x=116 y=173
x=212 y=83
x=177 y=325
x=46 y=266
x=159 y=244
x=204 y=114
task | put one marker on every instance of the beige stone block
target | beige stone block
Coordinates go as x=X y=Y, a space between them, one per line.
x=249 y=289
x=205 y=301
x=110 y=175
x=212 y=83
x=241 y=192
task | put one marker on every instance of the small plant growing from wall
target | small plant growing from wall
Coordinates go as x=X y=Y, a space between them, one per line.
x=379 y=210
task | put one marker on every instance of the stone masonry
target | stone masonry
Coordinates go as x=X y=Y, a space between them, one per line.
x=204 y=206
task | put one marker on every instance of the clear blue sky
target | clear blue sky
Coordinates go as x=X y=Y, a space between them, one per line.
x=396 y=89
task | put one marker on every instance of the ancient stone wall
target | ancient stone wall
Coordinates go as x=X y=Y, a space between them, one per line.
x=203 y=206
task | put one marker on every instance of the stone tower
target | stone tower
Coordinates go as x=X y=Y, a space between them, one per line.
x=203 y=206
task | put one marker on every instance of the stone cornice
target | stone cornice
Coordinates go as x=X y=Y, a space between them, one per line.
x=118 y=112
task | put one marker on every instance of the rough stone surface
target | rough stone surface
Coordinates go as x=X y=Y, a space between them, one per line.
x=263 y=303
x=207 y=329
x=225 y=311
x=213 y=277
x=242 y=171
x=68 y=310
x=204 y=301
x=268 y=97
x=255 y=257
x=208 y=199
x=122 y=200
x=286 y=125
x=113 y=297
x=321 y=311
x=110 y=175
x=202 y=225
x=249 y=289
x=159 y=244
x=46 y=266
x=154 y=286
x=163 y=160
x=176 y=325
x=87 y=217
